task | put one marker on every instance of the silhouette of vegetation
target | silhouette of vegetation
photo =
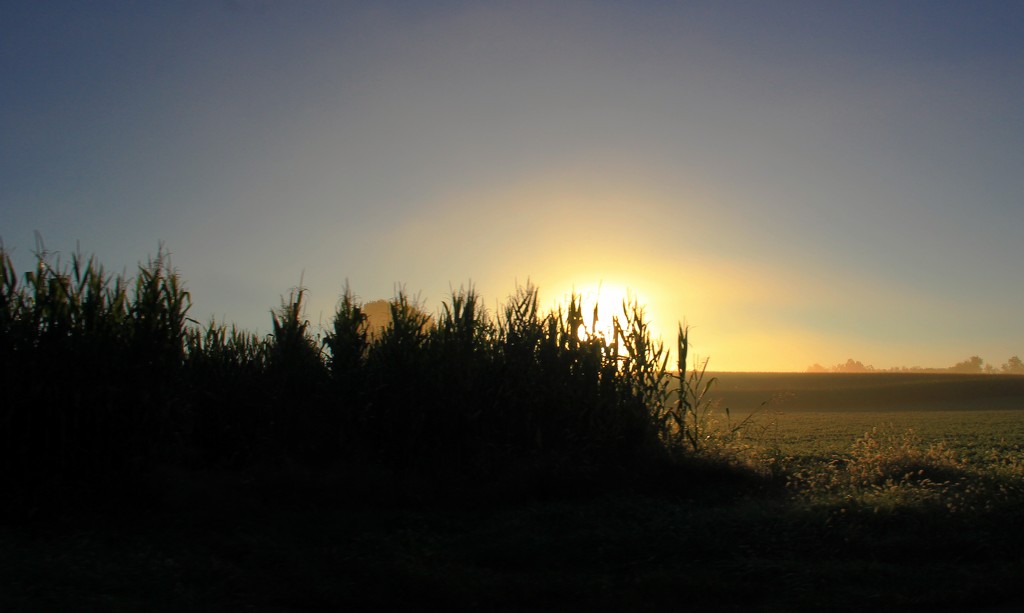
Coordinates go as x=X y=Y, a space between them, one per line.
x=108 y=377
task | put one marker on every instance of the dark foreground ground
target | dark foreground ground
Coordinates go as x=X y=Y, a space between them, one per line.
x=357 y=539
x=227 y=542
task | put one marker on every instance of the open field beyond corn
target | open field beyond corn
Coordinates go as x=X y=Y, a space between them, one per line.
x=819 y=415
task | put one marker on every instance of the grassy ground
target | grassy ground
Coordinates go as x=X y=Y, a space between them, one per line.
x=294 y=540
x=605 y=553
x=822 y=434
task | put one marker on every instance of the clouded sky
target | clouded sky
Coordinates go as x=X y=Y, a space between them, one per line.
x=801 y=181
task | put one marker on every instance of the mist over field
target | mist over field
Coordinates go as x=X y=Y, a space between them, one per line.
x=972 y=365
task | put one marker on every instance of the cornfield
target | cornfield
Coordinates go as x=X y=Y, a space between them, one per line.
x=105 y=377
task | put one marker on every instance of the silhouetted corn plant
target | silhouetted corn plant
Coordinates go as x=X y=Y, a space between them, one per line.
x=398 y=382
x=690 y=419
x=347 y=342
x=461 y=377
x=228 y=389
x=645 y=363
x=159 y=313
x=298 y=375
x=293 y=348
x=89 y=372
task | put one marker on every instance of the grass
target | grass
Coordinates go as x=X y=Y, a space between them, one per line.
x=302 y=541
x=465 y=459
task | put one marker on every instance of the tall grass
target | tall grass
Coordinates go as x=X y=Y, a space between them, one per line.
x=106 y=376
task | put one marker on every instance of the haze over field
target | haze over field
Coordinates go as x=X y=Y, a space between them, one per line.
x=802 y=181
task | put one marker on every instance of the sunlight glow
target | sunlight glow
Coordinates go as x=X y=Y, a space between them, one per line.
x=602 y=304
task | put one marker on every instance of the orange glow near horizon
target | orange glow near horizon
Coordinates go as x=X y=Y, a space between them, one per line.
x=607 y=237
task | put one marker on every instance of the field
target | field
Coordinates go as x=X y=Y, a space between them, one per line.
x=872 y=392
x=819 y=415
x=304 y=541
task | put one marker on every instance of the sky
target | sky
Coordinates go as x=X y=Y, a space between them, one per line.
x=801 y=182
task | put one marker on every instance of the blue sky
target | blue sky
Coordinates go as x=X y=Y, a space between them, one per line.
x=801 y=181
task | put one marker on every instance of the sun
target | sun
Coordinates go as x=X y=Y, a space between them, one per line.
x=602 y=304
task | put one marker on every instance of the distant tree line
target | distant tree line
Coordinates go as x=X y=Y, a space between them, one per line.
x=972 y=365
